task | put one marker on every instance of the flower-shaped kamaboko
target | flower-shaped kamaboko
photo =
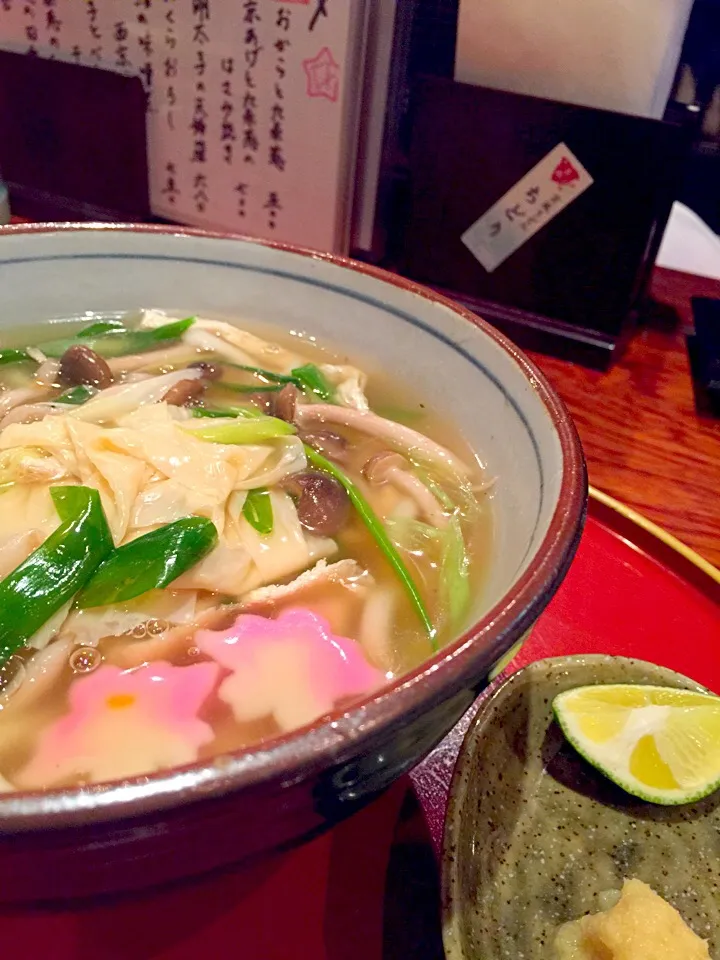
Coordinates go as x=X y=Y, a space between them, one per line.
x=125 y=722
x=292 y=668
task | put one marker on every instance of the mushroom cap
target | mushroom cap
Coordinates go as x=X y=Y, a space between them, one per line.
x=378 y=468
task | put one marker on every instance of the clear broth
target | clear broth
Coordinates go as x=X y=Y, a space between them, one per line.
x=409 y=645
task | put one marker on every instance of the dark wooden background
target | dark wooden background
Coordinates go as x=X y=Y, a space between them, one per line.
x=644 y=440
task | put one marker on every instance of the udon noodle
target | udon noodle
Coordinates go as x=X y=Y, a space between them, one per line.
x=208 y=539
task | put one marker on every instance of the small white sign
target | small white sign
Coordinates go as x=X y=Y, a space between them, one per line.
x=551 y=185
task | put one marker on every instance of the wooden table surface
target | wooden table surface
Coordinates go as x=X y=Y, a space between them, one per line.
x=644 y=441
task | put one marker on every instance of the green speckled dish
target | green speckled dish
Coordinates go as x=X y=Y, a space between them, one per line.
x=534 y=834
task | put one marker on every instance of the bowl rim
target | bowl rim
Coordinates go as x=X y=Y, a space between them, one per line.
x=503 y=688
x=338 y=736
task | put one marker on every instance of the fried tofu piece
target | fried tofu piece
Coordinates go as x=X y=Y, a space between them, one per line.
x=641 y=926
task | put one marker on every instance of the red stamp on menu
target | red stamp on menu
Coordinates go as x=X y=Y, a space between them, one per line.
x=323 y=75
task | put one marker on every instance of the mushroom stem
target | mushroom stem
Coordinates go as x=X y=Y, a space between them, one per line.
x=9 y=399
x=154 y=359
x=47 y=373
x=391 y=467
x=397 y=434
x=330 y=444
x=31 y=412
x=425 y=499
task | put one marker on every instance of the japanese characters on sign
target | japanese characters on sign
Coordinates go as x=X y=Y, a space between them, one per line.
x=53 y=24
x=145 y=42
x=276 y=131
x=170 y=69
x=552 y=184
x=273 y=207
x=170 y=190
x=121 y=46
x=276 y=154
x=228 y=134
x=32 y=34
x=241 y=190
x=247 y=107
x=200 y=115
x=251 y=19
x=94 y=50
x=199 y=122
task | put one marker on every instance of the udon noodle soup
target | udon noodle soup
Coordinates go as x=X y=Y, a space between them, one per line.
x=208 y=539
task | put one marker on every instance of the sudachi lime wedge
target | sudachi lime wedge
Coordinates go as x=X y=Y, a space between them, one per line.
x=657 y=743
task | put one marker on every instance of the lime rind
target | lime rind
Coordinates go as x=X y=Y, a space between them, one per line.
x=647 y=689
x=614 y=771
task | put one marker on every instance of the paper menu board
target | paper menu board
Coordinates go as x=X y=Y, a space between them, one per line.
x=252 y=104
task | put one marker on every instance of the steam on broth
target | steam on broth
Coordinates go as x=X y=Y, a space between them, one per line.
x=208 y=539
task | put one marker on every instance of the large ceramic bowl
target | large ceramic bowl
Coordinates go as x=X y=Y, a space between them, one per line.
x=246 y=804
